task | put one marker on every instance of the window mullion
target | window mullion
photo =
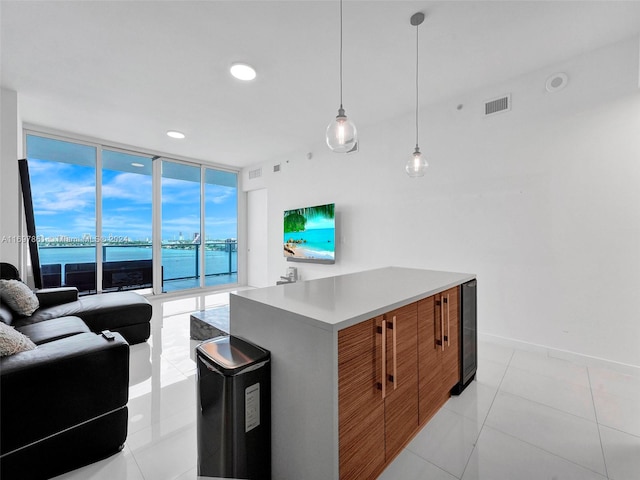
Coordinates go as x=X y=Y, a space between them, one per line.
x=98 y=239
x=156 y=224
x=202 y=245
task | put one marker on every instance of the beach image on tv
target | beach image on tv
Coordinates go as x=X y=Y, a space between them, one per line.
x=309 y=233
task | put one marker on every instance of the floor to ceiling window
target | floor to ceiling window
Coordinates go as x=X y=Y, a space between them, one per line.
x=180 y=226
x=63 y=185
x=199 y=226
x=94 y=212
x=221 y=226
x=126 y=240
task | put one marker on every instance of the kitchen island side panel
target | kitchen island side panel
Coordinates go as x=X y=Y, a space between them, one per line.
x=304 y=388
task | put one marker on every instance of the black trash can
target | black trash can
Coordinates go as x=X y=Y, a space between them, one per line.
x=234 y=409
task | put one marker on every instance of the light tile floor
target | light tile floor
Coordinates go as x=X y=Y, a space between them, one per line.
x=526 y=417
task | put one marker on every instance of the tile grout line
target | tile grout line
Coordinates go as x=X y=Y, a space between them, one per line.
x=553 y=454
x=595 y=412
x=536 y=446
x=549 y=406
x=488 y=411
x=185 y=472
x=548 y=451
x=615 y=429
x=551 y=377
x=595 y=420
x=137 y=464
x=431 y=463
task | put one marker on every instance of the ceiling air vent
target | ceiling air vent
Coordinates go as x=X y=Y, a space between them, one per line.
x=497 y=105
x=255 y=173
x=276 y=168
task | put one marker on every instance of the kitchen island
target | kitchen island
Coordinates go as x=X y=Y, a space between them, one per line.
x=346 y=354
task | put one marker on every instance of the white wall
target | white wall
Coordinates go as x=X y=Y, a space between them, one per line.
x=257 y=250
x=10 y=151
x=542 y=203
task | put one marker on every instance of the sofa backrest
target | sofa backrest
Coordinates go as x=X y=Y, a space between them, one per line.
x=6 y=314
x=8 y=272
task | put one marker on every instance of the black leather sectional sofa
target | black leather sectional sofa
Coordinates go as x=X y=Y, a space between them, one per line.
x=63 y=404
x=124 y=312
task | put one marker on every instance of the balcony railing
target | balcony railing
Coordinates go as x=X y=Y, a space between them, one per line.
x=129 y=266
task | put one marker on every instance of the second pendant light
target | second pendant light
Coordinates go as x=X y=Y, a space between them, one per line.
x=342 y=136
x=417 y=164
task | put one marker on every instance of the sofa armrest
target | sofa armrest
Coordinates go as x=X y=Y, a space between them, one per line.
x=56 y=296
x=60 y=385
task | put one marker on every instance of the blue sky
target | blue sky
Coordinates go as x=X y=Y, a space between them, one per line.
x=64 y=203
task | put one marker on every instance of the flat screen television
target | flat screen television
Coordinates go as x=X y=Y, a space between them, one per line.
x=310 y=234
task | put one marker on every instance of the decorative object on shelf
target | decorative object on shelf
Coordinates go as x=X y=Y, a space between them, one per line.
x=417 y=164
x=342 y=136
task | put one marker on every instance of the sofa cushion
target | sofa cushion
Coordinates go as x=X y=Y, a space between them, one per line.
x=107 y=311
x=44 y=332
x=12 y=341
x=19 y=297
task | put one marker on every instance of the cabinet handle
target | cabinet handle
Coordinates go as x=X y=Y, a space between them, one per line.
x=395 y=354
x=438 y=342
x=384 y=359
x=448 y=320
x=442 y=323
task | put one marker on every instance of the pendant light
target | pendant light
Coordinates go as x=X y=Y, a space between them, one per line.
x=342 y=136
x=417 y=164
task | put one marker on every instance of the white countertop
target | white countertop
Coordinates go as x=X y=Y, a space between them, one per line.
x=344 y=300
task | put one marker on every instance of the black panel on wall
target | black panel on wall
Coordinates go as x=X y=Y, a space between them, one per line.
x=25 y=184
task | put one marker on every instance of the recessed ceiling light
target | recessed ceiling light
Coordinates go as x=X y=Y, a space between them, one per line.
x=138 y=165
x=556 y=82
x=175 y=134
x=242 y=71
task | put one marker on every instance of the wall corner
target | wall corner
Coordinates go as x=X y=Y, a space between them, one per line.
x=10 y=151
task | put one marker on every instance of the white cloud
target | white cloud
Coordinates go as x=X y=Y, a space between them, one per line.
x=219 y=194
x=128 y=186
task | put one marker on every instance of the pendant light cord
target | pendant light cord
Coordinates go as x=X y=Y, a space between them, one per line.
x=340 y=53
x=417 y=64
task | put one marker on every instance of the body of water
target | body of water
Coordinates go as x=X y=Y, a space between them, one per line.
x=314 y=243
x=177 y=263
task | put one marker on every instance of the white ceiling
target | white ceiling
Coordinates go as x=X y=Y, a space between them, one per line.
x=128 y=71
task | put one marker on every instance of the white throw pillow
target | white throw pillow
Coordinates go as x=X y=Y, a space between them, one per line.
x=19 y=297
x=12 y=341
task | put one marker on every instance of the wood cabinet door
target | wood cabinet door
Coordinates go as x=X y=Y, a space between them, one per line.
x=431 y=396
x=451 y=354
x=401 y=401
x=360 y=403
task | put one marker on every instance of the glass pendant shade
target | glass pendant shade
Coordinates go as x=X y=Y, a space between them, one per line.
x=417 y=164
x=341 y=133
